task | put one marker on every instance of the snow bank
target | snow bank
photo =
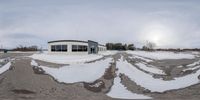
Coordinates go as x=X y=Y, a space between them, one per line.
x=156 y=85
x=5 y=67
x=23 y=52
x=160 y=55
x=108 y=52
x=33 y=63
x=2 y=60
x=65 y=59
x=141 y=58
x=195 y=52
x=119 y=91
x=194 y=64
x=193 y=68
x=78 y=72
x=150 y=69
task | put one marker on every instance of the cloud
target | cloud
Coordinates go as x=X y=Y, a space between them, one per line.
x=20 y=36
x=36 y=22
x=25 y=39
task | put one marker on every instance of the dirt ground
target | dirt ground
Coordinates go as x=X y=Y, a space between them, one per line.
x=21 y=82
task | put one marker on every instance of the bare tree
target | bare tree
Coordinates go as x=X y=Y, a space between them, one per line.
x=149 y=46
x=26 y=48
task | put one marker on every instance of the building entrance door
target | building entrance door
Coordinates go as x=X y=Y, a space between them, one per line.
x=92 y=50
x=92 y=47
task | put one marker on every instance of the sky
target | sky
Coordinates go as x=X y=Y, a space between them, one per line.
x=167 y=23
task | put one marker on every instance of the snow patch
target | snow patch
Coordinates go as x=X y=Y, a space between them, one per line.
x=88 y=72
x=151 y=69
x=193 y=68
x=66 y=59
x=156 y=85
x=180 y=66
x=97 y=84
x=194 y=64
x=33 y=63
x=160 y=55
x=2 y=60
x=5 y=67
x=108 y=52
x=120 y=91
x=142 y=58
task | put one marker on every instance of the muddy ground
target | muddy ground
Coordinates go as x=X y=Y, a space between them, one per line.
x=22 y=82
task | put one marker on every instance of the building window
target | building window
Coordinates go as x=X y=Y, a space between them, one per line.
x=53 y=48
x=82 y=48
x=79 y=48
x=64 y=47
x=59 y=48
x=99 y=48
x=74 y=48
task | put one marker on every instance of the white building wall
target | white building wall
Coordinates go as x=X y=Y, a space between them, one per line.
x=102 y=48
x=69 y=48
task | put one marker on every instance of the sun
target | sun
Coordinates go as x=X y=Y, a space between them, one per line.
x=156 y=36
x=156 y=33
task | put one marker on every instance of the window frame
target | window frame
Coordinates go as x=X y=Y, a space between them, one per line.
x=53 y=48
x=59 y=48
x=79 y=48
x=64 y=48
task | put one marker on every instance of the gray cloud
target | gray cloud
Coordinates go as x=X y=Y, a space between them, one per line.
x=171 y=23
x=20 y=36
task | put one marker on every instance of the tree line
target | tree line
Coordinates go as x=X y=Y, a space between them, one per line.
x=120 y=46
x=25 y=48
x=148 y=46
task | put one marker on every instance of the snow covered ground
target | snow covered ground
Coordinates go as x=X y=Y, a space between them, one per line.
x=65 y=59
x=192 y=68
x=33 y=63
x=155 y=85
x=160 y=55
x=196 y=53
x=87 y=72
x=141 y=58
x=1 y=60
x=194 y=64
x=151 y=69
x=70 y=59
x=108 y=52
x=5 y=67
x=120 y=91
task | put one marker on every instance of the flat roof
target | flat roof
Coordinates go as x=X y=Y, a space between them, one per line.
x=93 y=41
x=74 y=41
x=102 y=45
x=67 y=41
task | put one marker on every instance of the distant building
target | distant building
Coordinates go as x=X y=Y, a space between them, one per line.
x=75 y=47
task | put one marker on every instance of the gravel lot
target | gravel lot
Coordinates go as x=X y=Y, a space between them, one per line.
x=22 y=83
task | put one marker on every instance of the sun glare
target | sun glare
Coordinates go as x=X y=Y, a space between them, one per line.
x=156 y=36
x=156 y=33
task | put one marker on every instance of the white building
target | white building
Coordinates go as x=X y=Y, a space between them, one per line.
x=75 y=47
